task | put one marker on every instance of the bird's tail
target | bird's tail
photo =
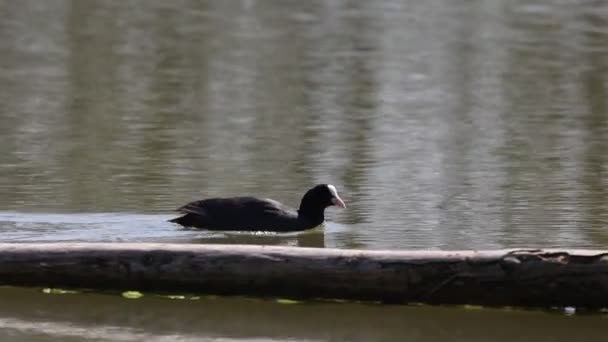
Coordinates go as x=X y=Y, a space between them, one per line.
x=185 y=220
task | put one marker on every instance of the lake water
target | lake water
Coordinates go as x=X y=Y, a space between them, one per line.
x=443 y=124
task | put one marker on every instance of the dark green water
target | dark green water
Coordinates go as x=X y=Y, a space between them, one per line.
x=27 y=315
x=444 y=125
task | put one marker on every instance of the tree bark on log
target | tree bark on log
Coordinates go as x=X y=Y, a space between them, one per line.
x=514 y=277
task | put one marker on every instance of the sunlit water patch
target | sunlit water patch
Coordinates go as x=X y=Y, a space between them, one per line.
x=131 y=227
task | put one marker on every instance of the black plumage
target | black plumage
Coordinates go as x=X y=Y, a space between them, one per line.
x=256 y=214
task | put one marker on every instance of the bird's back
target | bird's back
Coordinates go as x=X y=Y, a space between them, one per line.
x=240 y=213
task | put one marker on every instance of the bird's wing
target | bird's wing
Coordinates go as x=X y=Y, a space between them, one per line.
x=196 y=207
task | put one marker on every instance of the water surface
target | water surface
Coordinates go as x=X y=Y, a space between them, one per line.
x=444 y=125
x=34 y=316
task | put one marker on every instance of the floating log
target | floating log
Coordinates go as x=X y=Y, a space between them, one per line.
x=513 y=277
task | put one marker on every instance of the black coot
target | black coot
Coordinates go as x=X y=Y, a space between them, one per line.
x=256 y=214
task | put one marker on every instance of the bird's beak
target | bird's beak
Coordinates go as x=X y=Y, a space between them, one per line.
x=337 y=201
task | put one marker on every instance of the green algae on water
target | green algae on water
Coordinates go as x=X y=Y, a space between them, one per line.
x=132 y=294
x=287 y=301
x=50 y=290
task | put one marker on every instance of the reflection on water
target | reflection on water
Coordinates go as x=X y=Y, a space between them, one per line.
x=103 y=317
x=444 y=124
x=459 y=125
x=122 y=227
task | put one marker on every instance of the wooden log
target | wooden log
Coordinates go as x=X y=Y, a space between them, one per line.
x=514 y=277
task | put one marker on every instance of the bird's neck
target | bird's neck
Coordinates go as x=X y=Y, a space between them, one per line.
x=311 y=212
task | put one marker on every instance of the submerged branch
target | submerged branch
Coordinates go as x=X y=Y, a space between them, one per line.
x=515 y=277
